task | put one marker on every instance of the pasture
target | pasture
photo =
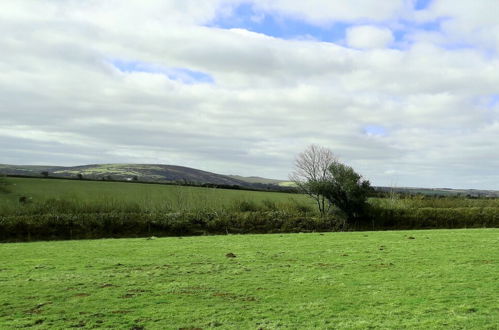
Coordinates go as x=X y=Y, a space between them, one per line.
x=149 y=197
x=357 y=280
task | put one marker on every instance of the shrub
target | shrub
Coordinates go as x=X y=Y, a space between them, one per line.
x=4 y=184
x=244 y=206
x=269 y=205
x=71 y=219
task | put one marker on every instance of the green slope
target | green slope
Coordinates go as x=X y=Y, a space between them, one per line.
x=142 y=172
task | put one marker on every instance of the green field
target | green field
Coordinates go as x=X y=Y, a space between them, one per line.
x=389 y=280
x=175 y=197
x=146 y=196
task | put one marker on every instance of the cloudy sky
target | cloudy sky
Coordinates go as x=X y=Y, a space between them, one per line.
x=405 y=91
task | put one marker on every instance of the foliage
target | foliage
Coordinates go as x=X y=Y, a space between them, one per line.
x=55 y=219
x=57 y=225
x=311 y=170
x=438 y=279
x=70 y=209
x=346 y=190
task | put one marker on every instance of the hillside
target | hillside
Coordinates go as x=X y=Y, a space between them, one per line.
x=140 y=172
x=186 y=175
x=256 y=179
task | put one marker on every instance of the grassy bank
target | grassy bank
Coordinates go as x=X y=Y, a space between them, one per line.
x=395 y=280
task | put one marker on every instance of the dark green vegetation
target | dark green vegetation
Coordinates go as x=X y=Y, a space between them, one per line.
x=359 y=280
x=4 y=185
x=70 y=209
x=40 y=209
x=347 y=190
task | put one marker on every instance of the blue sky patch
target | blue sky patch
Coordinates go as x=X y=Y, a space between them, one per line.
x=422 y=4
x=184 y=75
x=375 y=130
x=409 y=27
x=245 y=17
x=429 y=26
x=493 y=101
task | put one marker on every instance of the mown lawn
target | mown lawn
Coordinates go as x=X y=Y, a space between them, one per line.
x=357 y=280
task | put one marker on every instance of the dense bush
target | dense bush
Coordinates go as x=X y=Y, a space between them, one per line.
x=118 y=224
x=432 y=217
x=73 y=219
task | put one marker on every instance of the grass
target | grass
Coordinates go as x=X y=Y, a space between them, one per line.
x=150 y=197
x=158 y=197
x=358 y=280
x=38 y=209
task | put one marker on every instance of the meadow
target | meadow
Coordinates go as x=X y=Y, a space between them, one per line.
x=51 y=209
x=427 y=279
x=147 y=197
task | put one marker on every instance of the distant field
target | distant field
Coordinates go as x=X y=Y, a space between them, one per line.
x=148 y=196
x=439 y=279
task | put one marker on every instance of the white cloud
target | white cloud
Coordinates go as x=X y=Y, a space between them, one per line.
x=367 y=37
x=62 y=100
x=465 y=23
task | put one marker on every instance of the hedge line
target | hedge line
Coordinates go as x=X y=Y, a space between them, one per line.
x=428 y=218
x=138 y=224
x=99 y=225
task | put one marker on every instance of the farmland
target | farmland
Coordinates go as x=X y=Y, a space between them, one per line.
x=397 y=279
x=146 y=196
x=317 y=279
x=41 y=209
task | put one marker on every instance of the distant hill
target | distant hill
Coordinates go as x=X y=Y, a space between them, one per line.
x=256 y=179
x=186 y=175
x=440 y=191
x=141 y=172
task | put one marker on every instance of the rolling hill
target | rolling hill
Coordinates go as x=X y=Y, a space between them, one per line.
x=140 y=172
x=186 y=175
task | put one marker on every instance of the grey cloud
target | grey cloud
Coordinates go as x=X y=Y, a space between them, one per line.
x=63 y=102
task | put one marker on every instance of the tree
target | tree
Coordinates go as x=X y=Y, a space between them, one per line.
x=345 y=189
x=319 y=174
x=311 y=170
x=45 y=174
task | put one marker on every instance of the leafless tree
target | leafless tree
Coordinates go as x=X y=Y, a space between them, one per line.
x=312 y=167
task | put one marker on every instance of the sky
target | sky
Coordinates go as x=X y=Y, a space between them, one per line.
x=404 y=91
